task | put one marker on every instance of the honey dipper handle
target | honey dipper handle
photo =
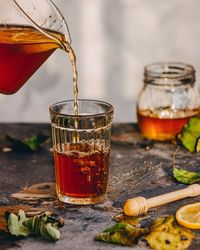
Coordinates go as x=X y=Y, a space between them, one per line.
x=191 y=191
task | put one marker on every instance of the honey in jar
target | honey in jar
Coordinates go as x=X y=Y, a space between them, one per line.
x=168 y=100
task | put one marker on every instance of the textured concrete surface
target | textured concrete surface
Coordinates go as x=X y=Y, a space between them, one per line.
x=137 y=167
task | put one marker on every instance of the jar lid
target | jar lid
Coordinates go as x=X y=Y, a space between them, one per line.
x=169 y=73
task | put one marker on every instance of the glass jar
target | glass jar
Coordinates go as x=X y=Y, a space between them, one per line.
x=168 y=99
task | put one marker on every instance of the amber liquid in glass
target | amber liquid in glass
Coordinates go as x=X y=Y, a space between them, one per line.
x=156 y=128
x=81 y=172
x=23 y=50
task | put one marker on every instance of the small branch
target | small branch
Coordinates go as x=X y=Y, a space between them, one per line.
x=174 y=155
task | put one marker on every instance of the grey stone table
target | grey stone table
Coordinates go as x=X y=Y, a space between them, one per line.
x=137 y=167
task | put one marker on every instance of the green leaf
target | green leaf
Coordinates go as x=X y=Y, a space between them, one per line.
x=194 y=125
x=188 y=140
x=16 y=226
x=198 y=145
x=116 y=227
x=40 y=225
x=185 y=177
x=190 y=134
x=31 y=144
x=35 y=141
x=121 y=233
x=43 y=225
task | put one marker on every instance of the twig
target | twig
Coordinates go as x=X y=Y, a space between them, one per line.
x=174 y=155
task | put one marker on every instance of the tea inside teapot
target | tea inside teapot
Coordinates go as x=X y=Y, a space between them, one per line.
x=22 y=51
x=30 y=31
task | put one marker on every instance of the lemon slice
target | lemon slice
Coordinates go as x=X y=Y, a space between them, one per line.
x=189 y=216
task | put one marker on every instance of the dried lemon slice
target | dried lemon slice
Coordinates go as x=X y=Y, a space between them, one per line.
x=189 y=216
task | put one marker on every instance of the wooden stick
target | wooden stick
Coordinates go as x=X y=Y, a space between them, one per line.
x=140 y=205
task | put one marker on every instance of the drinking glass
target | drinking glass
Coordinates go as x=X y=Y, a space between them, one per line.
x=81 y=146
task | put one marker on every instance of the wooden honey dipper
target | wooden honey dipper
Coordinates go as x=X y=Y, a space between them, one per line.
x=140 y=205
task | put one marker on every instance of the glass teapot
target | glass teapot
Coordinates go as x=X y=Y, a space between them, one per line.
x=30 y=31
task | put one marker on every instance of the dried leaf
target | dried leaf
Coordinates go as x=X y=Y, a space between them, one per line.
x=43 y=225
x=166 y=234
x=124 y=137
x=40 y=191
x=131 y=220
x=147 y=144
x=186 y=177
x=17 y=145
x=121 y=233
